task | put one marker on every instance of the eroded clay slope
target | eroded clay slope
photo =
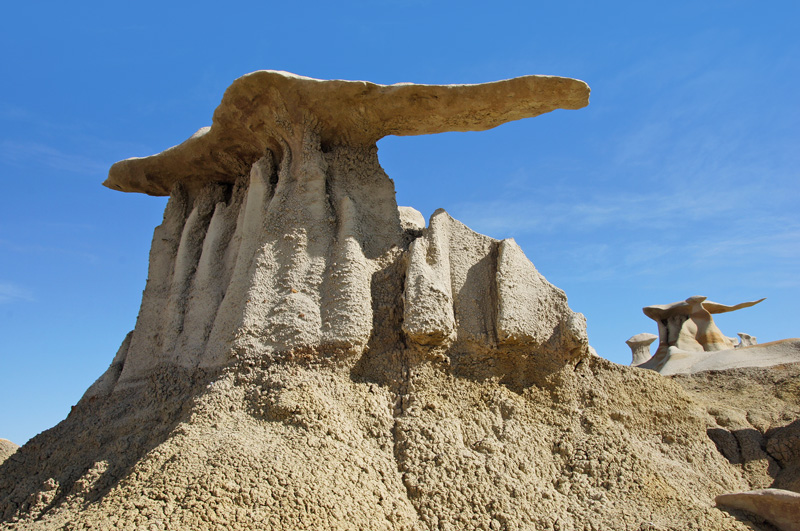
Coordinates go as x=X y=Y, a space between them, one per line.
x=753 y=418
x=407 y=444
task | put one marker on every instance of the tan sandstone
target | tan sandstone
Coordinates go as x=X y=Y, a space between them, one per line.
x=781 y=508
x=640 y=347
x=7 y=448
x=690 y=341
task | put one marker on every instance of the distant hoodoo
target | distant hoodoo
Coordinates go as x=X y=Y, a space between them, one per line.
x=690 y=341
x=689 y=325
x=640 y=347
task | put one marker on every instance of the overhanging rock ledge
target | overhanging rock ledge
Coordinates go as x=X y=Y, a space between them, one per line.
x=272 y=110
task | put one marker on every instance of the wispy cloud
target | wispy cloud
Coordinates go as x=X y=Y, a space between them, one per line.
x=28 y=154
x=595 y=236
x=44 y=250
x=13 y=293
x=570 y=210
x=75 y=143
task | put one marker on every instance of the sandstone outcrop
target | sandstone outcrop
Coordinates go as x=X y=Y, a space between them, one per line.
x=688 y=325
x=753 y=419
x=689 y=340
x=7 y=448
x=273 y=111
x=310 y=356
x=781 y=508
x=746 y=340
x=640 y=347
x=678 y=361
x=280 y=218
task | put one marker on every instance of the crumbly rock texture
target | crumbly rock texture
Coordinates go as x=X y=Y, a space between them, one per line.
x=310 y=356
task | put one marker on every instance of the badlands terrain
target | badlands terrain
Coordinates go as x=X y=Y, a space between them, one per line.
x=309 y=355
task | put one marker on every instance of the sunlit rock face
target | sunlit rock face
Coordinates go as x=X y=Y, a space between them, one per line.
x=285 y=114
x=779 y=507
x=688 y=325
x=7 y=448
x=690 y=341
x=640 y=347
x=746 y=340
x=280 y=219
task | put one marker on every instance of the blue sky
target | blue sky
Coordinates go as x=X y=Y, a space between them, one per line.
x=680 y=178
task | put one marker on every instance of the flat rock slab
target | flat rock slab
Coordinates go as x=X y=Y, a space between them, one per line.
x=763 y=355
x=263 y=110
x=779 y=507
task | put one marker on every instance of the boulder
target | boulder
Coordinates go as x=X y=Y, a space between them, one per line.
x=7 y=448
x=780 y=508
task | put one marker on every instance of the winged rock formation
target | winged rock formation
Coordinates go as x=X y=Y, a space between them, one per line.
x=280 y=216
x=309 y=356
x=689 y=325
x=690 y=341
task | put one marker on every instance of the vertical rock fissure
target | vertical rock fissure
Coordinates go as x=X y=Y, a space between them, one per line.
x=398 y=437
x=494 y=298
x=188 y=256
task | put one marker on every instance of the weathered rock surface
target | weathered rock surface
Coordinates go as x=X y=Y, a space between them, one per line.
x=411 y=445
x=270 y=110
x=6 y=449
x=689 y=341
x=640 y=347
x=286 y=267
x=753 y=419
x=678 y=361
x=746 y=340
x=752 y=416
x=280 y=217
x=688 y=325
x=309 y=356
x=781 y=508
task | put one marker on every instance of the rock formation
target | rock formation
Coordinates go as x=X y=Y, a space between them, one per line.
x=280 y=218
x=640 y=347
x=688 y=325
x=6 y=449
x=746 y=340
x=689 y=340
x=781 y=508
x=310 y=356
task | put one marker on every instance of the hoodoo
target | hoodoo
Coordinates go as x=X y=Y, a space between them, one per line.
x=280 y=217
x=310 y=356
x=690 y=341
